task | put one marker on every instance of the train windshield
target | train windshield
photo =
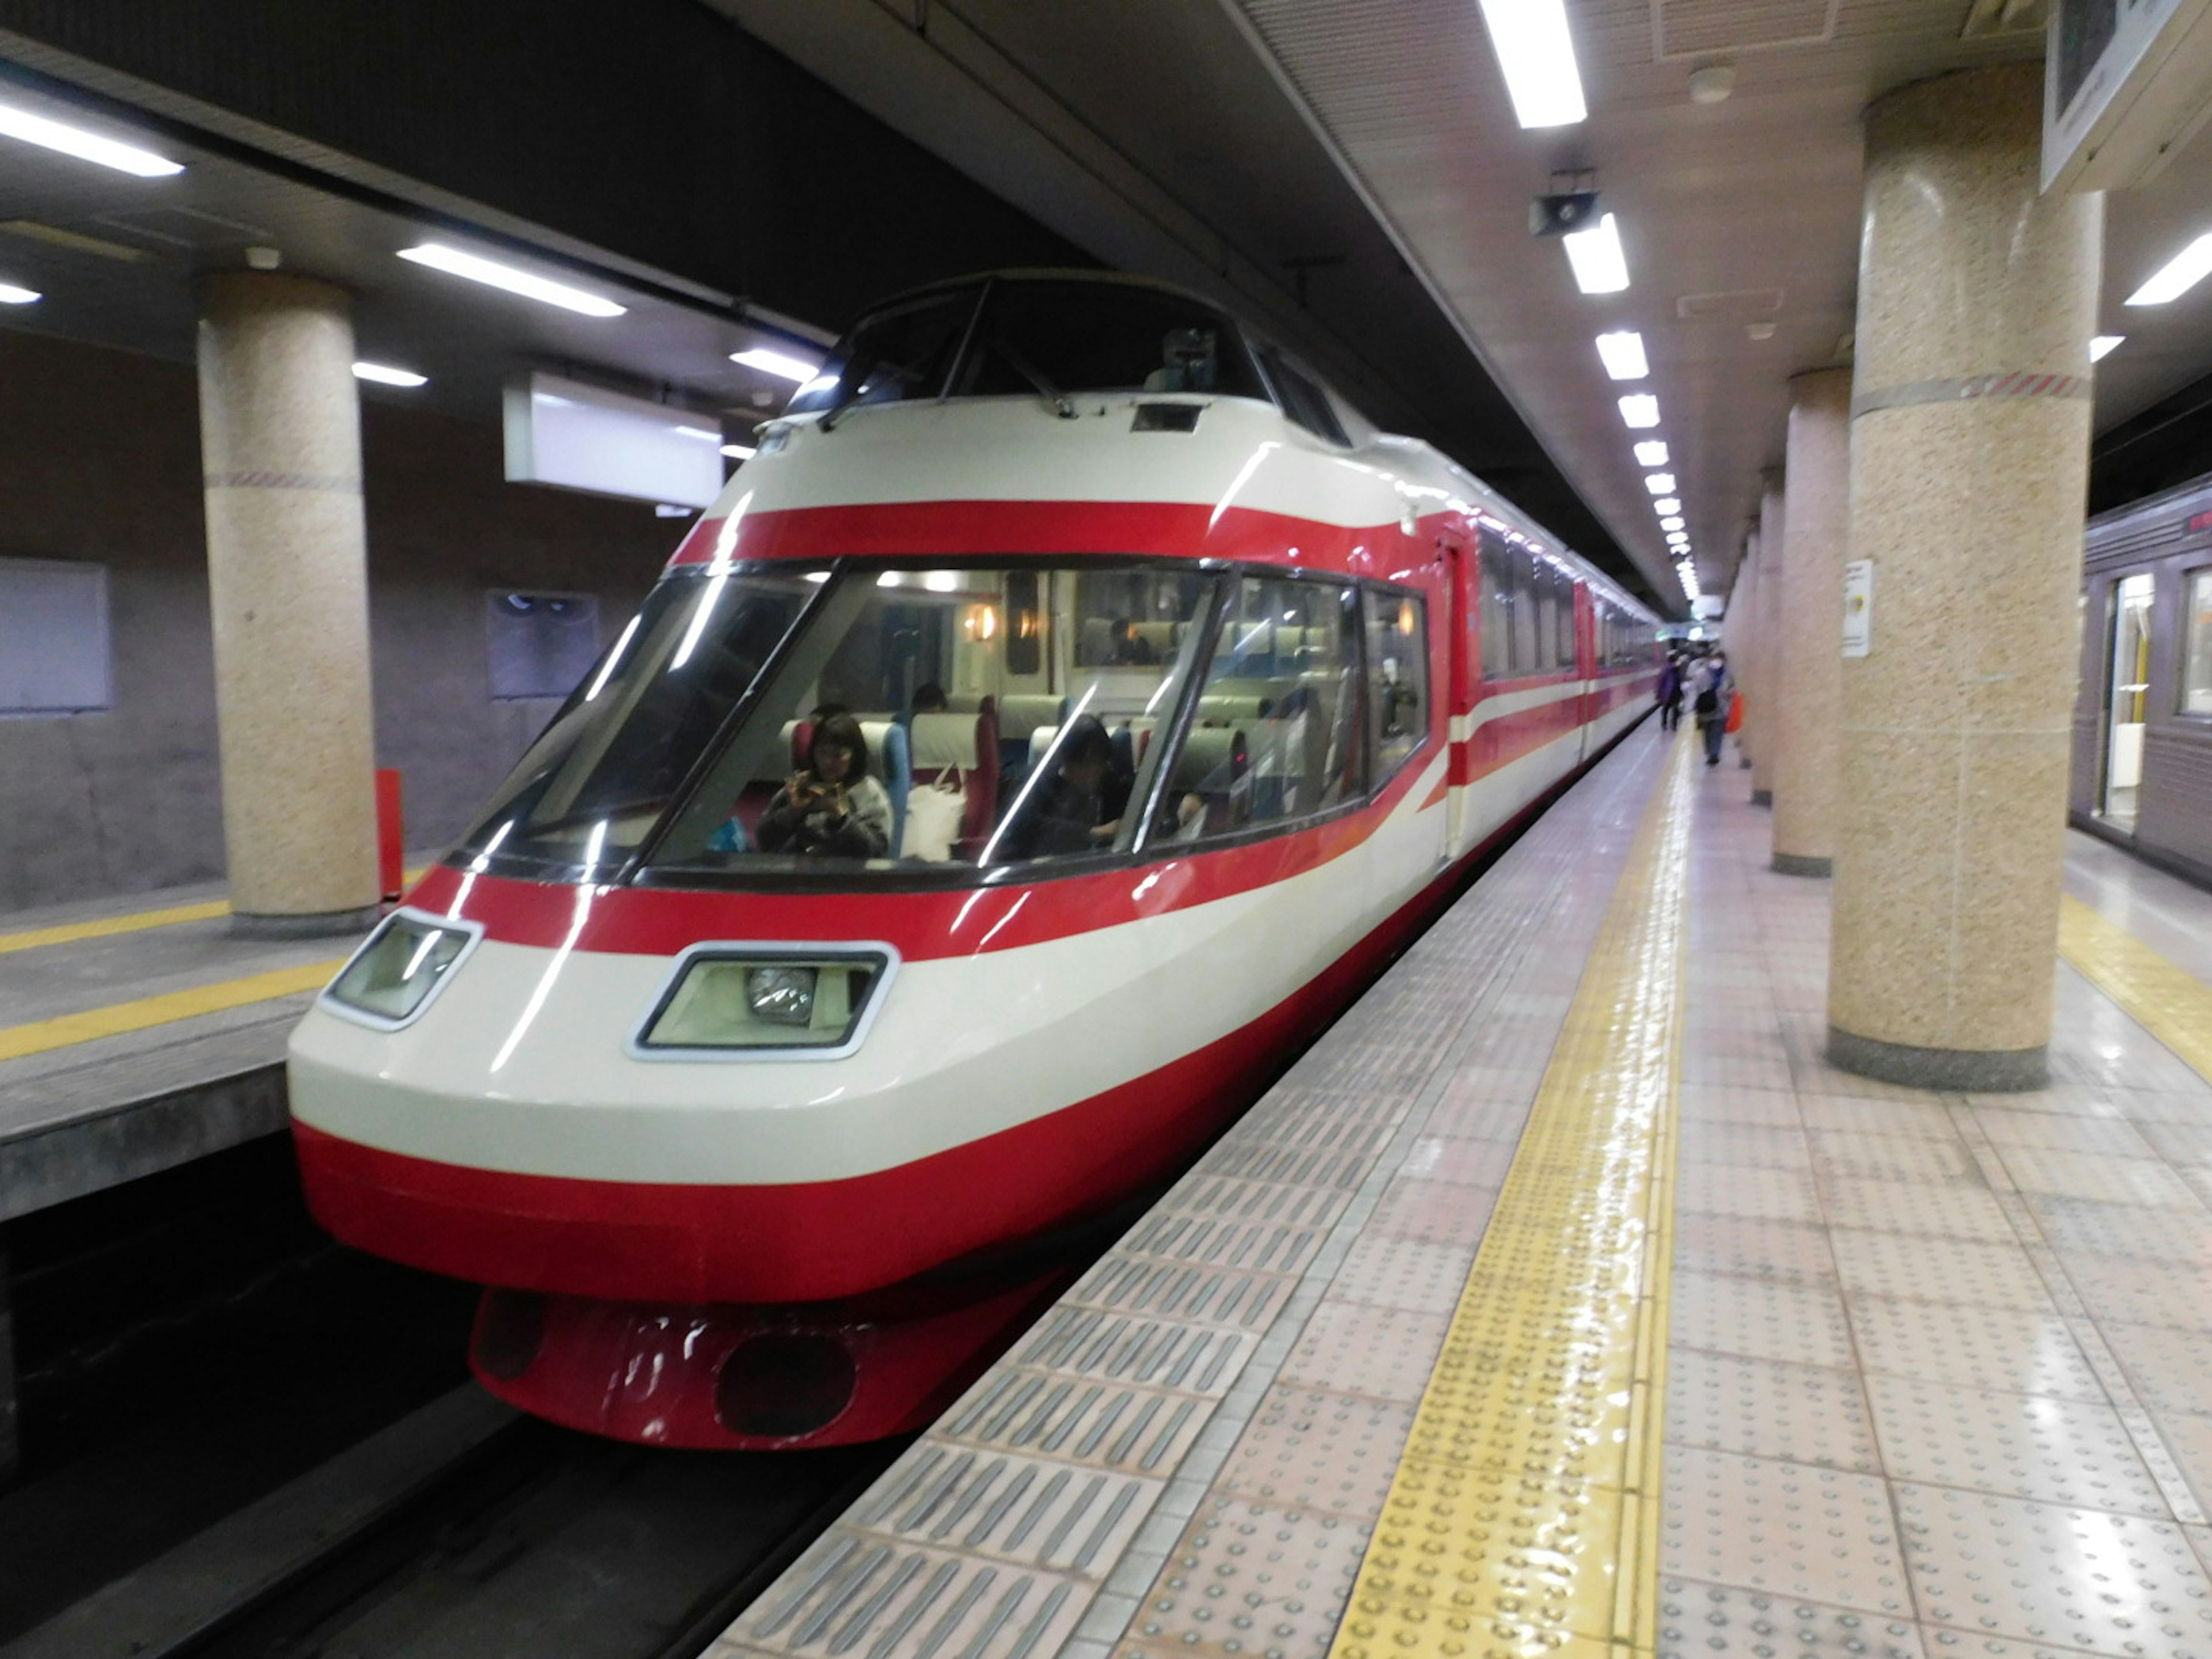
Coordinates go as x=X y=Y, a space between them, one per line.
x=969 y=714
x=598 y=778
x=1010 y=336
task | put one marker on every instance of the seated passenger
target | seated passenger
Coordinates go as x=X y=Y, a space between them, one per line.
x=1078 y=809
x=929 y=698
x=1128 y=649
x=833 y=807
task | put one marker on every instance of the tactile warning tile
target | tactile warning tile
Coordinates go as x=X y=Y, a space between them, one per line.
x=1351 y=1348
x=2168 y=1001
x=2104 y=1137
x=1180 y=1289
x=1028 y=1510
x=1709 y=1621
x=1318 y=1452
x=1079 y=1420
x=2062 y=1451
x=1523 y=1515
x=1247 y=1578
x=1436 y=1211
x=1752 y=1249
x=1789 y=1528
x=2092 y=1227
x=1717 y=1103
x=1765 y=1318
x=1916 y=1206
x=2041 y=1572
x=1917 y=1269
x=2189 y=1439
x=1844 y=1152
x=1754 y=1195
x=1403 y=1272
x=1764 y=1408
x=2144 y=1290
x=2171 y=1368
x=1976 y=1347
x=1925 y=1118
x=1757 y=1146
x=2112 y=1180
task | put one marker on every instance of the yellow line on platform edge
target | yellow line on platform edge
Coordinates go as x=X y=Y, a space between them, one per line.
x=116 y=1019
x=1524 y=1516
x=70 y=933
x=2164 y=998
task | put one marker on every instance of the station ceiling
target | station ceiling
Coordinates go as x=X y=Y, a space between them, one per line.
x=1213 y=125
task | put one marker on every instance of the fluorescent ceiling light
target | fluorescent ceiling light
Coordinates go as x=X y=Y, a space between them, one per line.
x=1623 y=355
x=2179 y=274
x=671 y=510
x=1640 y=411
x=1651 y=453
x=1670 y=524
x=2101 y=347
x=1667 y=504
x=455 y=262
x=1537 y=55
x=385 y=374
x=1678 y=539
x=85 y=146
x=12 y=295
x=737 y=452
x=1600 y=266
x=775 y=363
x=1659 y=484
x=699 y=432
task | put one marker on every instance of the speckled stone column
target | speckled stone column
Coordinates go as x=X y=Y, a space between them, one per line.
x=1807 y=685
x=1969 y=445
x=280 y=444
x=1740 y=635
x=1758 y=704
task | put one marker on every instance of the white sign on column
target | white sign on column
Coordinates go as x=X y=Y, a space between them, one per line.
x=1858 y=607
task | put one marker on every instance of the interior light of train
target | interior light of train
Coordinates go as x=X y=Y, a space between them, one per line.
x=1623 y=355
x=492 y=274
x=1659 y=484
x=776 y=363
x=2178 y=275
x=2101 y=347
x=1640 y=411
x=85 y=146
x=1537 y=55
x=385 y=375
x=738 y=452
x=12 y=295
x=1599 y=265
x=1651 y=453
x=982 y=621
x=942 y=581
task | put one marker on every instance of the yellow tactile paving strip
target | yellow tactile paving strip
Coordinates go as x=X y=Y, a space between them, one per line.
x=121 y=1017
x=34 y=938
x=1524 y=1517
x=2165 y=999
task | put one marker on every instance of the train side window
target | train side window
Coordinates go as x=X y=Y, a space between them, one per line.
x=1276 y=733
x=1497 y=612
x=1526 y=622
x=1565 y=648
x=2196 y=646
x=1397 y=676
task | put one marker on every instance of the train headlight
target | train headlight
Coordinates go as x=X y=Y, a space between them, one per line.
x=766 y=1002
x=393 y=977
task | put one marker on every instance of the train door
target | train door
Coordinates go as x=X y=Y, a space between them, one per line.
x=2127 y=694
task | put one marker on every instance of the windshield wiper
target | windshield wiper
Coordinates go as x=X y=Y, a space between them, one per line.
x=1062 y=404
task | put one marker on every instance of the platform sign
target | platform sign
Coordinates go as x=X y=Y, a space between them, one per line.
x=2127 y=84
x=1858 y=608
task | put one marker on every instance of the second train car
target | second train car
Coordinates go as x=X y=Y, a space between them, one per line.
x=1071 y=706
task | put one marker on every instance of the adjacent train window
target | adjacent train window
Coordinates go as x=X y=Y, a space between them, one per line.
x=2196 y=646
x=1397 y=676
x=539 y=645
x=1528 y=617
x=54 y=652
x=1565 y=648
x=1497 y=611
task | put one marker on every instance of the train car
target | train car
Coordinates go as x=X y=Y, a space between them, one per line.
x=1069 y=709
x=2143 y=717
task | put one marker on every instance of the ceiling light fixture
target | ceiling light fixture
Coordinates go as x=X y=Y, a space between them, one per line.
x=1667 y=504
x=2101 y=347
x=1659 y=484
x=1623 y=355
x=1537 y=55
x=2178 y=275
x=1671 y=523
x=775 y=363
x=12 y=295
x=385 y=374
x=1601 y=265
x=85 y=146
x=1651 y=453
x=1640 y=411
x=454 y=263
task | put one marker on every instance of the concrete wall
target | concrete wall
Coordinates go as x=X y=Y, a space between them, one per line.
x=100 y=461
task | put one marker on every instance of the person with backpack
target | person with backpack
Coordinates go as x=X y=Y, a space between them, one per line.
x=1710 y=687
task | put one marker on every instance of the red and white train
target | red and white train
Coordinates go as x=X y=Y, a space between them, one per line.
x=1185 y=697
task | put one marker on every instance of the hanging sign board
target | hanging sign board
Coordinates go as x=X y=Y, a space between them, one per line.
x=1858 y=607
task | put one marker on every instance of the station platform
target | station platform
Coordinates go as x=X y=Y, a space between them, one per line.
x=140 y=1034
x=1563 y=1300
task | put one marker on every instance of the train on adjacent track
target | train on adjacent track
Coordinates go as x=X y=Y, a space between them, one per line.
x=1072 y=706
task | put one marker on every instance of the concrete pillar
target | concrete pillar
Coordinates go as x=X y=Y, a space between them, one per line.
x=1740 y=636
x=1969 y=452
x=1760 y=703
x=280 y=444
x=1806 y=685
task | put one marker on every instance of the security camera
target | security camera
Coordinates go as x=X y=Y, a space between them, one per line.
x=1563 y=214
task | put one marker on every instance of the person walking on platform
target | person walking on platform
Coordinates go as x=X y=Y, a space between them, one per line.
x=1668 y=694
x=1710 y=687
